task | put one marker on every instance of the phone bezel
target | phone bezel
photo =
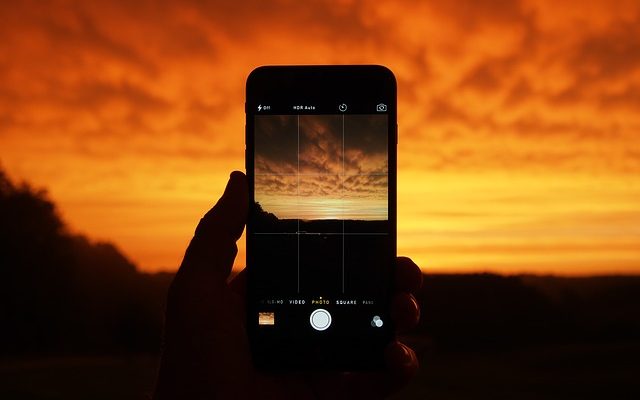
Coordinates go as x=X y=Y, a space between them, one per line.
x=352 y=84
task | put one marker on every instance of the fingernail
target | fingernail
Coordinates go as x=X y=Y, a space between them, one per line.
x=415 y=306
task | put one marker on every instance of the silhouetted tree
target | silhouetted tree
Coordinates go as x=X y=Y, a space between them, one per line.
x=262 y=219
x=60 y=292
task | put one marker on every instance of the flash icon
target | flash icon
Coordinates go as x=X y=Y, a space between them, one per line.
x=259 y=107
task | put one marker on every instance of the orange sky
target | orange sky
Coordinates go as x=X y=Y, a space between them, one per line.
x=519 y=126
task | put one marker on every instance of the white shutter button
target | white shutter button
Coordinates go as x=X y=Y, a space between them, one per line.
x=320 y=319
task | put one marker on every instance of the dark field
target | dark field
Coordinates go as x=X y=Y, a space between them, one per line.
x=574 y=371
x=578 y=371
x=71 y=378
x=481 y=337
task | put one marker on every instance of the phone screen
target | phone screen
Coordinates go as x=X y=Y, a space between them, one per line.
x=321 y=230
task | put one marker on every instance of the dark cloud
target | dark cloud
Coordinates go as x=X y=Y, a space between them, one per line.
x=270 y=185
x=599 y=64
x=608 y=55
x=91 y=95
x=321 y=20
x=471 y=14
x=484 y=77
x=443 y=110
x=276 y=144
x=519 y=93
x=365 y=144
x=328 y=186
x=95 y=95
x=66 y=35
x=321 y=144
x=313 y=144
x=370 y=186
x=626 y=99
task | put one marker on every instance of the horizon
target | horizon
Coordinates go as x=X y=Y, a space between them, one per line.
x=517 y=153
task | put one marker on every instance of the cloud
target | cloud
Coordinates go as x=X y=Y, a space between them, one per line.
x=94 y=94
x=276 y=144
x=320 y=187
x=314 y=144
x=320 y=144
x=366 y=186
x=276 y=185
x=365 y=144
x=612 y=54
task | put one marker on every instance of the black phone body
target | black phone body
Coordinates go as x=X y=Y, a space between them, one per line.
x=321 y=233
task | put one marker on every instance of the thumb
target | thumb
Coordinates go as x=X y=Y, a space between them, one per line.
x=213 y=246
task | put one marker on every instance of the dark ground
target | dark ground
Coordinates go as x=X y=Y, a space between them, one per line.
x=576 y=371
x=605 y=371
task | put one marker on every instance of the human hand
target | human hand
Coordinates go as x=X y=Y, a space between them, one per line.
x=206 y=349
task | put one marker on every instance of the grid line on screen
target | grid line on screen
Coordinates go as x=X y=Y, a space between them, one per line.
x=342 y=196
x=298 y=201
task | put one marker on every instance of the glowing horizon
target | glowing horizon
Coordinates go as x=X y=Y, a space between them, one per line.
x=518 y=123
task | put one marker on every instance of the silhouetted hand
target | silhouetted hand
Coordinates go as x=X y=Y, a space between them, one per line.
x=206 y=350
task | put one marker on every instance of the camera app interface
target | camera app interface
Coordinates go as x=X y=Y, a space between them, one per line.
x=320 y=222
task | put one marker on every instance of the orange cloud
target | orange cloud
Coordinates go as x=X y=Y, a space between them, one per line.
x=518 y=120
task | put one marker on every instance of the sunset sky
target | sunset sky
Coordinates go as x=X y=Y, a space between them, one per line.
x=519 y=121
x=322 y=166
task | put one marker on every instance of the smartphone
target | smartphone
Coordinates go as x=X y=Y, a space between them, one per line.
x=321 y=233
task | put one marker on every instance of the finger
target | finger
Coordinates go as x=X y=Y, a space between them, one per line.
x=229 y=215
x=239 y=283
x=213 y=246
x=405 y=311
x=402 y=364
x=408 y=275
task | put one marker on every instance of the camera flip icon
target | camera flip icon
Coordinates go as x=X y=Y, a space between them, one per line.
x=381 y=107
